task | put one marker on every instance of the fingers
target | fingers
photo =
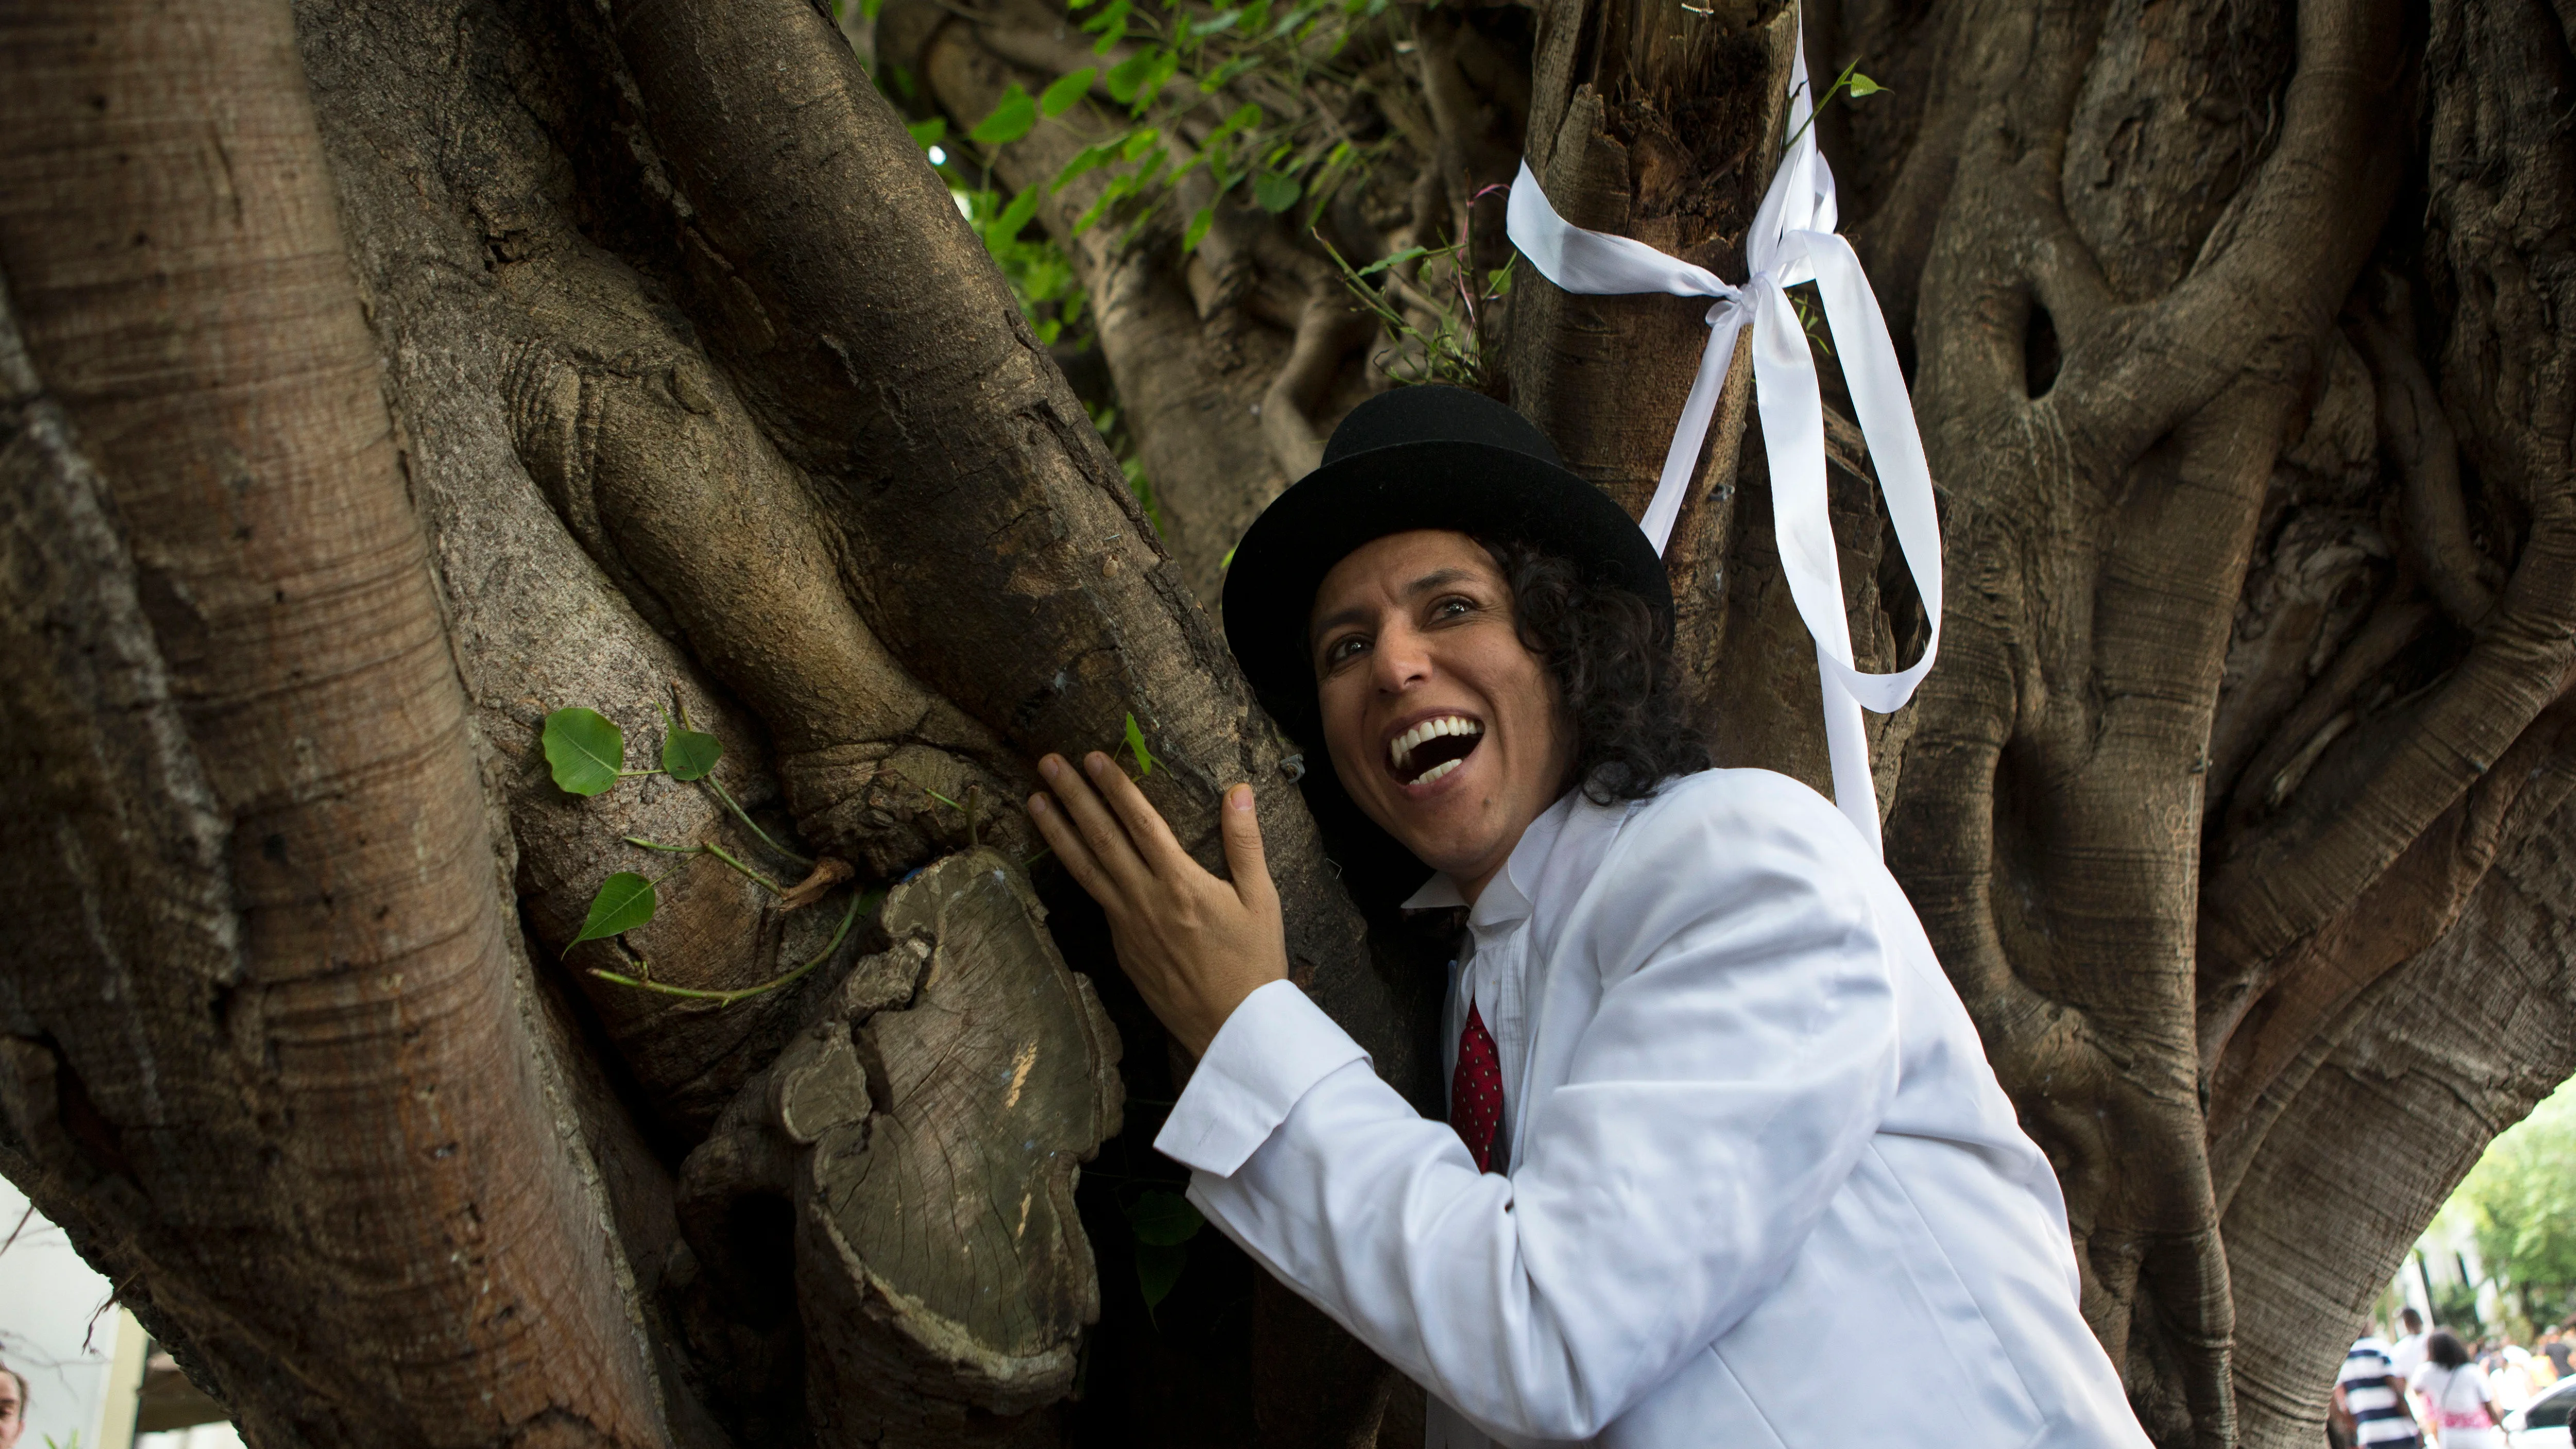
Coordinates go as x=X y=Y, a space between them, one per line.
x=1244 y=858
x=1071 y=851
x=1090 y=825
x=1146 y=830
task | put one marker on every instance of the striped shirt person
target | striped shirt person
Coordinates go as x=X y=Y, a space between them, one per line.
x=2376 y=1398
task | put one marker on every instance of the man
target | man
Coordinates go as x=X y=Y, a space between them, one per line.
x=13 y=1406
x=2370 y=1389
x=1715 y=1112
x=2408 y=1353
x=2555 y=1347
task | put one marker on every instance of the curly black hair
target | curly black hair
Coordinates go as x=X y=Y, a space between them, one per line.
x=1613 y=668
x=1612 y=664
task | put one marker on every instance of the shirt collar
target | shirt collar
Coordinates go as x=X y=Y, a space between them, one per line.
x=1507 y=896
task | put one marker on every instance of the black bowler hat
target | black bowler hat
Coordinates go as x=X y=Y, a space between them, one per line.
x=1416 y=457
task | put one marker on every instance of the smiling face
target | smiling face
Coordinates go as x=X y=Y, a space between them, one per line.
x=1443 y=727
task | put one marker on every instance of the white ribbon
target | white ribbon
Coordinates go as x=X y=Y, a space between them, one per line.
x=1792 y=241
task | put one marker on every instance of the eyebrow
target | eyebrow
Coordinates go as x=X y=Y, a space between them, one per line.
x=1436 y=579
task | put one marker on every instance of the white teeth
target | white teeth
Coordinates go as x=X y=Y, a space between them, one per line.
x=1400 y=749
x=1438 y=770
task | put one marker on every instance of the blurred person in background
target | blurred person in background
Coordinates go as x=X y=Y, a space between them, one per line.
x=2460 y=1403
x=13 y=1406
x=2554 y=1348
x=2511 y=1377
x=2407 y=1354
x=2374 y=1397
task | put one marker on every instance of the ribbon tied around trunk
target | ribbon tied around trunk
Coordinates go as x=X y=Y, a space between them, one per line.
x=1792 y=241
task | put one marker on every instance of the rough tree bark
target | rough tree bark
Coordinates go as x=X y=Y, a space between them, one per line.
x=2235 y=807
x=2238 y=359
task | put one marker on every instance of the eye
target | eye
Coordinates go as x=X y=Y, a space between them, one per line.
x=1452 y=606
x=1344 y=649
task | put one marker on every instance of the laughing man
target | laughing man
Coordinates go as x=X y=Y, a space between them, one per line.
x=1715 y=1114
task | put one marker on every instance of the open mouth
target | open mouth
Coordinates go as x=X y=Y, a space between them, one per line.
x=1433 y=748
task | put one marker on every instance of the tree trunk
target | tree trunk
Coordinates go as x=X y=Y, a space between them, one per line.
x=2234 y=806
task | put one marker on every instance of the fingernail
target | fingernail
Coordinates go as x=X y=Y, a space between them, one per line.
x=1095 y=762
x=1240 y=797
x=1050 y=767
x=1037 y=804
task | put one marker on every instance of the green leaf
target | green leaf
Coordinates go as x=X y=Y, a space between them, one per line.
x=1226 y=562
x=1011 y=119
x=1200 y=221
x=1142 y=141
x=585 y=750
x=1222 y=20
x=1111 y=25
x=1089 y=158
x=1862 y=85
x=1396 y=260
x=690 y=754
x=1275 y=192
x=1158 y=1270
x=1061 y=97
x=1118 y=189
x=1136 y=742
x=1164 y=1219
x=927 y=134
x=1128 y=74
x=625 y=901
x=1014 y=216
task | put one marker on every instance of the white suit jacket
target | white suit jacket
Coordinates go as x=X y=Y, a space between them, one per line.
x=1750 y=1131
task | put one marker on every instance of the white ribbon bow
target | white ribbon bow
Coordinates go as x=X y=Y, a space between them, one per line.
x=1792 y=241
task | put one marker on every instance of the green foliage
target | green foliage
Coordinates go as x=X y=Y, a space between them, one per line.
x=1275 y=191
x=1123 y=448
x=690 y=754
x=2522 y=1198
x=1164 y=1219
x=1169 y=68
x=1011 y=119
x=1066 y=92
x=1851 y=82
x=1453 y=350
x=1163 y=1224
x=862 y=903
x=1040 y=274
x=625 y=902
x=585 y=750
x=1158 y=1271
x=1136 y=746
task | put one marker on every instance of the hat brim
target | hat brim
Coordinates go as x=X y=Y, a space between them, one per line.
x=1490 y=492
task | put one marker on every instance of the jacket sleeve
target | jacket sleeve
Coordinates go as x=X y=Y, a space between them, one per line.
x=1742 y=1054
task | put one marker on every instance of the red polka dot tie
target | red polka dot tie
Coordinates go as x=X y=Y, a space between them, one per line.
x=1476 y=1091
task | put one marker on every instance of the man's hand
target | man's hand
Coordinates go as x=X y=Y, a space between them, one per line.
x=1193 y=944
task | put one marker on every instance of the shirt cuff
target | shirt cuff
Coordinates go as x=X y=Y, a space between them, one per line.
x=1275 y=1047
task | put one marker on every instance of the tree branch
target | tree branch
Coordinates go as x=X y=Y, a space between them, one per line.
x=2414 y=431
x=2282 y=257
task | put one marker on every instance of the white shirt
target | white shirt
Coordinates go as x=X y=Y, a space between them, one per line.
x=1749 y=1125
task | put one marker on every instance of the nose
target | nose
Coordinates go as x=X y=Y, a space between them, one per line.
x=1400 y=660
